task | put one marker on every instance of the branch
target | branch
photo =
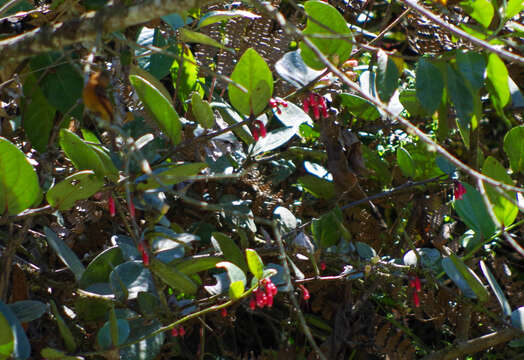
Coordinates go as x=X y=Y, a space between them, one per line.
x=88 y=26
x=455 y=30
x=474 y=345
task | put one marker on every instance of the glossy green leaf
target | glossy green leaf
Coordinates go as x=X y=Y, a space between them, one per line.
x=189 y=36
x=287 y=220
x=19 y=186
x=202 y=111
x=100 y=267
x=359 y=107
x=253 y=74
x=7 y=339
x=231 y=117
x=408 y=99
x=460 y=94
x=513 y=7
x=213 y=17
x=292 y=115
x=50 y=353
x=28 y=310
x=320 y=188
x=230 y=250
x=273 y=140
x=454 y=274
x=130 y=278
x=83 y=156
x=65 y=332
x=65 y=253
x=514 y=148
x=157 y=84
x=176 y=280
x=38 y=115
x=256 y=266
x=62 y=86
x=497 y=76
x=517 y=318
x=480 y=10
x=505 y=211
x=184 y=75
x=196 y=264
x=429 y=84
x=104 y=338
x=237 y=278
x=473 y=212
x=472 y=279
x=326 y=230
x=472 y=65
x=79 y=186
x=337 y=50
x=503 y=301
x=405 y=162
x=159 y=107
x=21 y=348
x=156 y=64
x=292 y=68
x=387 y=78
x=365 y=251
x=171 y=176
x=429 y=257
x=147 y=349
x=110 y=170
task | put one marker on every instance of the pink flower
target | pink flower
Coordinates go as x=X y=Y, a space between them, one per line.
x=458 y=190
x=111 y=205
x=317 y=103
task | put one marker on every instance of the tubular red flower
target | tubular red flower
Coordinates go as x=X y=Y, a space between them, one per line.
x=458 y=190
x=174 y=332
x=418 y=286
x=305 y=292
x=223 y=312
x=322 y=266
x=416 y=299
x=111 y=205
x=181 y=331
x=305 y=105
x=143 y=252
x=131 y=207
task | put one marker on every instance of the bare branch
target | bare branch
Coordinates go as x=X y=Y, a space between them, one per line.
x=88 y=26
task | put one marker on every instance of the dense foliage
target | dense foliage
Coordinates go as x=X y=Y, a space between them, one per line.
x=333 y=180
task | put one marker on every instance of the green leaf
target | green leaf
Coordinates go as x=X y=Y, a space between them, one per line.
x=291 y=115
x=237 y=279
x=83 y=156
x=326 y=230
x=171 y=176
x=19 y=186
x=505 y=211
x=480 y=10
x=49 y=353
x=472 y=279
x=159 y=107
x=387 y=76
x=176 y=280
x=405 y=162
x=28 y=310
x=273 y=140
x=454 y=274
x=195 y=264
x=65 y=332
x=100 y=267
x=184 y=75
x=154 y=63
x=472 y=65
x=202 y=111
x=503 y=301
x=320 y=188
x=429 y=84
x=461 y=96
x=130 y=278
x=135 y=70
x=7 y=339
x=337 y=50
x=513 y=7
x=517 y=318
x=189 y=36
x=359 y=107
x=21 y=348
x=230 y=250
x=65 y=253
x=254 y=75
x=231 y=117
x=214 y=17
x=473 y=212
x=365 y=251
x=497 y=76
x=408 y=99
x=287 y=220
x=38 y=115
x=79 y=186
x=62 y=86
x=514 y=148
x=147 y=349
x=104 y=336
x=256 y=266
x=292 y=68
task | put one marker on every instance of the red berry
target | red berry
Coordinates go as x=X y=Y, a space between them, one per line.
x=252 y=303
x=223 y=312
x=181 y=331
x=322 y=266
x=174 y=332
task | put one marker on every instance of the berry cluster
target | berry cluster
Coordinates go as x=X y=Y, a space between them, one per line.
x=263 y=295
x=275 y=103
x=178 y=331
x=258 y=130
x=317 y=103
x=143 y=252
x=414 y=282
x=458 y=190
